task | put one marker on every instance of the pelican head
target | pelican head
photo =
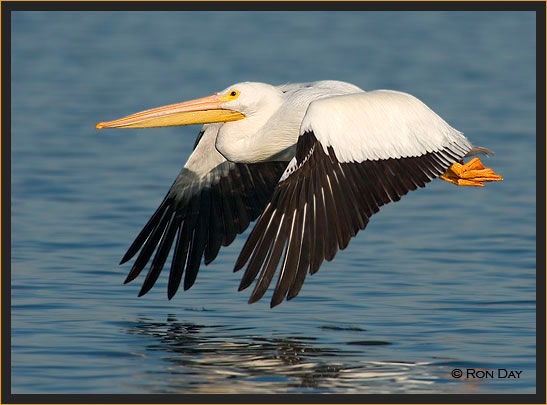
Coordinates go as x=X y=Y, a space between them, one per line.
x=231 y=104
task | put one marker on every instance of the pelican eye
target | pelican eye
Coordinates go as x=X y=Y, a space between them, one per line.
x=232 y=95
x=229 y=96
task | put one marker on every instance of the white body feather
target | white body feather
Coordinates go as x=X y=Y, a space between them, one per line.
x=381 y=124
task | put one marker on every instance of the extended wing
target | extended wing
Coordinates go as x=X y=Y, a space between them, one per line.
x=210 y=202
x=354 y=154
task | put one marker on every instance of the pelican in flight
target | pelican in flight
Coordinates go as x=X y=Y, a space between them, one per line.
x=312 y=161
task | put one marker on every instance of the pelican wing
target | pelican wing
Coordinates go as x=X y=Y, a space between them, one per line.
x=211 y=201
x=354 y=154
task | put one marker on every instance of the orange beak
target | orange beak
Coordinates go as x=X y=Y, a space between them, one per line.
x=200 y=111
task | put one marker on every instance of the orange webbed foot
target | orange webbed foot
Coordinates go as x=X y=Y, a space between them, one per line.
x=472 y=174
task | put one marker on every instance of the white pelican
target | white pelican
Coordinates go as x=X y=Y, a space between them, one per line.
x=313 y=160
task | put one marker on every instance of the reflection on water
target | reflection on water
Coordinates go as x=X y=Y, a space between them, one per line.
x=223 y=359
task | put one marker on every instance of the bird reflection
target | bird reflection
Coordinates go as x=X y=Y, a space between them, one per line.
x=228 y=359
x=223 y=354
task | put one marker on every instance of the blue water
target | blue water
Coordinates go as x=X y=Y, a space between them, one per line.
x=443 y=279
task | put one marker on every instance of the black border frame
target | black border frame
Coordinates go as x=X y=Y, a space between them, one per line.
x=8 y=6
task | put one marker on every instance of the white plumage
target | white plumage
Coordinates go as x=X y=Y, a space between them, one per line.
x=381 y=124
x=313 y=160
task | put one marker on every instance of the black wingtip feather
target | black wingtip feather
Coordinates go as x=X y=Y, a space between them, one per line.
x=257 y=259
x=199 y=240
x=274 y=255
x=179 y=259
x=249 y=246
x=290 y=262
x=146 y=230
x=216 y=229
x=133 y=273
x=161 y=255
x=265 y=231
x=125 y=259
x=146 y=286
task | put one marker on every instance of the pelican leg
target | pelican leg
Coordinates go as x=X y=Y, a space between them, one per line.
x=472 y=174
